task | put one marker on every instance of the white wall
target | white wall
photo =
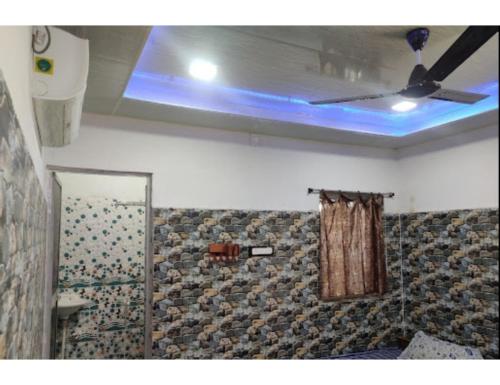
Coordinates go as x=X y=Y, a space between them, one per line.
x=457 y=172
x=15 y=63
x=123 y=188
x=207 y=168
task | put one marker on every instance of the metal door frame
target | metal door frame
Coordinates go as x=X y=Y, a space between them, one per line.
x=148 y=252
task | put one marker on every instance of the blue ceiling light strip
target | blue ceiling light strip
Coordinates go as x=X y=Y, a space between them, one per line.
x=189 y=93
x=211 y=87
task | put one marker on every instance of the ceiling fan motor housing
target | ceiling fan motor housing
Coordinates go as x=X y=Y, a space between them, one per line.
x=420 y=90
x=417 y=75
x=417 y=86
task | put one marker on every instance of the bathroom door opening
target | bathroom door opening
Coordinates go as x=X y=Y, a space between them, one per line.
x=105 y=265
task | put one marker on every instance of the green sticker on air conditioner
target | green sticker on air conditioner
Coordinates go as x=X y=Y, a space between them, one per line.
x=44 y=65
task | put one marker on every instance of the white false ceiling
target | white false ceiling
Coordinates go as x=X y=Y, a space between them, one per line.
x=282 y=61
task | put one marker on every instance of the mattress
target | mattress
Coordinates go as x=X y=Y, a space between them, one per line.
x=378 y=354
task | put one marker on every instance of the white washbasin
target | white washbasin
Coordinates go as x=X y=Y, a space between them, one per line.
x=69 y=303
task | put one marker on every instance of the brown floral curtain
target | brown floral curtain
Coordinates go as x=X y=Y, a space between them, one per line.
x=352 y=261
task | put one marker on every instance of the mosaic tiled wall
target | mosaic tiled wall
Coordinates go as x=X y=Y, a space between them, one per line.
x=259 y=307
x=22 y=241
x=451 y=276
x=102 y=260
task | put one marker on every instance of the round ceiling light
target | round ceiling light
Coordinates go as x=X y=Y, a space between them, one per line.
x=404 y=106
x=202 y=69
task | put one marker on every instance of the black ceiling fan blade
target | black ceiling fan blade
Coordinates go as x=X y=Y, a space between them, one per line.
x=469 y=42
x=457 y=96
x=352 y=99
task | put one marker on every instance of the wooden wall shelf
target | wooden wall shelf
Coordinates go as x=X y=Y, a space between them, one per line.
x=223 y=252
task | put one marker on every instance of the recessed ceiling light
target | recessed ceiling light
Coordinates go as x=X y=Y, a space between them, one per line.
x=202 y=69
x=404 y=106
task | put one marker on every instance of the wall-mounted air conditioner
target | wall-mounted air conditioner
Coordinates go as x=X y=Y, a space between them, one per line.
x=60 y=69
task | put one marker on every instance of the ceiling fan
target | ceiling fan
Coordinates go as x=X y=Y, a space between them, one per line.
x=423 y=82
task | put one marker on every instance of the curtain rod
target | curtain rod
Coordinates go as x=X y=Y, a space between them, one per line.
x=117 y=203
x=317 y=191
